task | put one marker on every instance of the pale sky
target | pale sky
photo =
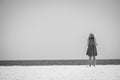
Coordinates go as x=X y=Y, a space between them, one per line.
x=58 y=29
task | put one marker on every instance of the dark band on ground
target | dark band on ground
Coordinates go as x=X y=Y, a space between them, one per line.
x=56 y=62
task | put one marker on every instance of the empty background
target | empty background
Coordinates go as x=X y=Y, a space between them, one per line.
x=58 y=29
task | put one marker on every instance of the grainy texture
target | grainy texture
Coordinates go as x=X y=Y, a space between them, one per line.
x=68 y=72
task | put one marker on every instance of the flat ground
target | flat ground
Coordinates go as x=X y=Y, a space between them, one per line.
x=60 y=72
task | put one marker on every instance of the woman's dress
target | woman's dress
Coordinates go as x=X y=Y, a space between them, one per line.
x=91 y=51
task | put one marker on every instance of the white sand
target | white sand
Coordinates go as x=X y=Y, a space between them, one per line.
x=82 y=72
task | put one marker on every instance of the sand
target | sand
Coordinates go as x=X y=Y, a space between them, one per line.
x=60 y=72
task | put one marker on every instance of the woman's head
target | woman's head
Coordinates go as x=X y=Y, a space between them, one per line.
x=92 y=40
x=91 y=35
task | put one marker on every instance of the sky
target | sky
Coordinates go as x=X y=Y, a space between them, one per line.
x=58 y=29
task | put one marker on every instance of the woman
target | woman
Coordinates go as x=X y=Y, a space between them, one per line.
x=92 y=51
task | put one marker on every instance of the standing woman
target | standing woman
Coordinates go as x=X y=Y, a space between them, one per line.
x=92 y=51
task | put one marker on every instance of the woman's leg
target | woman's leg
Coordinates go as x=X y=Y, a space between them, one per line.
x=90 y=61
x=94 y=61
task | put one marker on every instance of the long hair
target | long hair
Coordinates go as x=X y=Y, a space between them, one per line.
x=92 y=40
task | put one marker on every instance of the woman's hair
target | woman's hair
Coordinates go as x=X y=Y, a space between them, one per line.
x=91 y=35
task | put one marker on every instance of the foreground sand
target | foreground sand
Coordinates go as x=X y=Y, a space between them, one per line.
x=80 y=72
